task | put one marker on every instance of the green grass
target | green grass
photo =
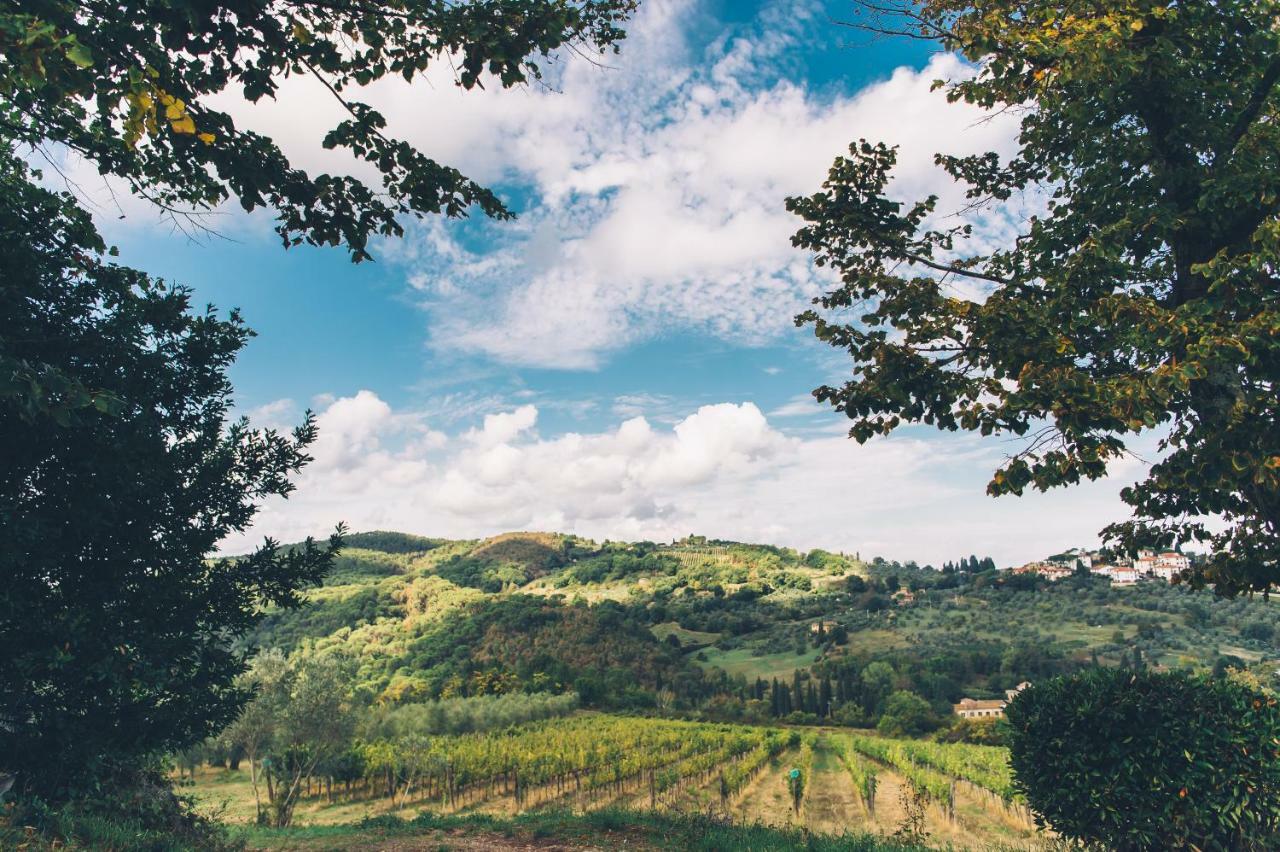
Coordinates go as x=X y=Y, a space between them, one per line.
x=687 y=637
x=608 y=829
x=740 y=661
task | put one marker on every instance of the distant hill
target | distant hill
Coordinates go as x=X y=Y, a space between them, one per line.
x=701 y=622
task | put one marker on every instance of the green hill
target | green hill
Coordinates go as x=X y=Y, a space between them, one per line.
x=707 y=626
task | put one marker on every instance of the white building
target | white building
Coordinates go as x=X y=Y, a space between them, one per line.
x=1124 y=576
x=1073 y=556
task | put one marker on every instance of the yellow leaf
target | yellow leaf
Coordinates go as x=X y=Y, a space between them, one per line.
x=174 y=109
x=183 y=125
x=206 y=138
x=1136 y=25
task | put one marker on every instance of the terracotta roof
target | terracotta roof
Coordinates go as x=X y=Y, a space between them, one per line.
x=975 y=704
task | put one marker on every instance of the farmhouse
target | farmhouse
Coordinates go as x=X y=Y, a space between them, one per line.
x=972 y=708
x=1011 y=694
x=975 y=708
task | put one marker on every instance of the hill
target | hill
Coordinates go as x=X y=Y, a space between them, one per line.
x=707 y=626
x=543 y=685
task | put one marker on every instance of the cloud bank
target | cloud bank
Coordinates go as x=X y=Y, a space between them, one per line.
x=722 y=470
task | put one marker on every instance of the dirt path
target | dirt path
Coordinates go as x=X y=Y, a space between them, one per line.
x=979 y=823
x=766 y=799
x=831 y=805
x=986 y=815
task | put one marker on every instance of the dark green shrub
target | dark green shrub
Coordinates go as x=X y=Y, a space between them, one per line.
x=1150 y=761
x=136 y=810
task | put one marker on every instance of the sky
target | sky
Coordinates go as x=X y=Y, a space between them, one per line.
x=621 y=361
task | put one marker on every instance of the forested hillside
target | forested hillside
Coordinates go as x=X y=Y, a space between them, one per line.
x=736 y=631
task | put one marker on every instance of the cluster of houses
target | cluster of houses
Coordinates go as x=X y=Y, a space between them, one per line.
x=1120 y=571
x=981 y=708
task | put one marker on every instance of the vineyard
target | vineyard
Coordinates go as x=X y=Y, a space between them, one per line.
x=824 y=780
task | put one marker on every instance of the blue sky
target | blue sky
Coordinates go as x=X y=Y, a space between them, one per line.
x=621 y=361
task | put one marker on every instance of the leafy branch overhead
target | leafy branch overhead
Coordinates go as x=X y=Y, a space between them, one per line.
x=132 y=86
x=1144 y=295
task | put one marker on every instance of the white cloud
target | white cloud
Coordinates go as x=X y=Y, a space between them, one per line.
x=803 y=405
x=279 y=414
x=503 y=427
x=651 y=194
x=722 y=470
x=660 y=206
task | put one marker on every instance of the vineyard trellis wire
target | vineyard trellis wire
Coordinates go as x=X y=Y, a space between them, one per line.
x=593 y=756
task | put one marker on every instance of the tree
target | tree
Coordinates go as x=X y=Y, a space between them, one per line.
x=313 y=722
x=120 y=475
x=906 y=715
x=1147 y=761
x=113 y=394
x=136 y=88
x=254 y=730
x=1141 y=296
x=877 y=681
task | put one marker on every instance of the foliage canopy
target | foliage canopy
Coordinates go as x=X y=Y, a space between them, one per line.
x=1142 y=296
x=135 y=88
x=1147 y=761
x=115 y=626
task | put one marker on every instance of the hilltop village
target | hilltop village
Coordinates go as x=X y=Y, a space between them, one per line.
x=1121 y=571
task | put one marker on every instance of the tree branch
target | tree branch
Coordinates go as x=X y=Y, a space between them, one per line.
x=1251 y=109
x=954 y=270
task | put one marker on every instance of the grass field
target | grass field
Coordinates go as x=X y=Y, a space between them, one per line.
x=742 y=661
x=686 y=637
x=606 y=829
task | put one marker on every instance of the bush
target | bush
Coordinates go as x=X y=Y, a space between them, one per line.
x=137 y=810
x=1147 y=761
x=1259 y=631
x=992 y=732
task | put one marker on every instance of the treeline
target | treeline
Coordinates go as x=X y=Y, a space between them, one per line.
x=969 y=565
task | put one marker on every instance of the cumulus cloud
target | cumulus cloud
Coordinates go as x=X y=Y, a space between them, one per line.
x=658 y=203
x=650 y=193
x=722 y=470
